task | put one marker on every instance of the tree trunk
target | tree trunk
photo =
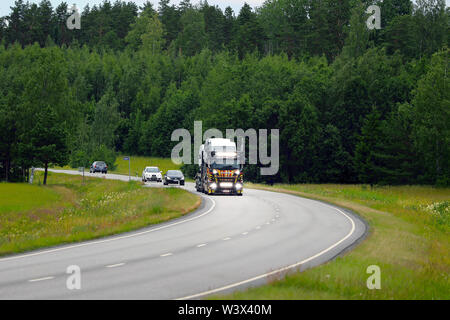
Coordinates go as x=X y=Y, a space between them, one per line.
x=7 y=169
x=45 y=173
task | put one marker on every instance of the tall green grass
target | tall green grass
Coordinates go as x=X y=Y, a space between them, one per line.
x=409 y=240
x=66 y=210
x=416 y=204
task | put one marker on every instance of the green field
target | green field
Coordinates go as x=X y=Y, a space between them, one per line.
x=138 y=164
x=409 y=240
x=22 y=197
x=66 y=210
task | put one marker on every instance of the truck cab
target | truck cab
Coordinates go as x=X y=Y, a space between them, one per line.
x=220 y=168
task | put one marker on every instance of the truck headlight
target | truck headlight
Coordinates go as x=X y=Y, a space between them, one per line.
x=213 y=186
x=238 y=186
x=215 y=171
x=237 y=171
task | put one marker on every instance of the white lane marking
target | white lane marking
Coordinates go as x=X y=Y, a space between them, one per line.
x=113 y=239
x=41 y=279
x=278 y=270
x=115 y=265
x=166 y=254
x=267 y=222
x=226 y=239
x=273 y=220
x=258 y=227
x=277 y=216
x=244 y=233
x=201 y=245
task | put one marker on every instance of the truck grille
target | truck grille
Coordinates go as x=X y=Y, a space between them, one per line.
x=222 y=179
x=226 y=173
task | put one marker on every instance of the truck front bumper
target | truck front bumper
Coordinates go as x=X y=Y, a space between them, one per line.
x=225 y=188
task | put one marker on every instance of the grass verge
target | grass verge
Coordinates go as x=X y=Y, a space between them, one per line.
x=66 y=210
x=408 y=240
x=138 y=164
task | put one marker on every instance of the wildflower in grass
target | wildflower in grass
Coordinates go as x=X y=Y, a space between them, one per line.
x=441 y=211
x=439 y=208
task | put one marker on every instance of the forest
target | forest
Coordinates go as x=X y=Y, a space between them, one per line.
x=352 y=105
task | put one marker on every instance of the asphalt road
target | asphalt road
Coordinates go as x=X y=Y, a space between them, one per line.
x=229 y=243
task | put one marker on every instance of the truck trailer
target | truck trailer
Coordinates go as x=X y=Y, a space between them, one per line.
x=220 y=168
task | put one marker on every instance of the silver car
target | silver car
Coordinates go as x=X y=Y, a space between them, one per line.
x=152 y=174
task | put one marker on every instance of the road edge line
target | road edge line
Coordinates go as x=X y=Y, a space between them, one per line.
x=283 y=269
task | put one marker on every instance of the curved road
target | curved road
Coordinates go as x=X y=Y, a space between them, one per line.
x=228 y=243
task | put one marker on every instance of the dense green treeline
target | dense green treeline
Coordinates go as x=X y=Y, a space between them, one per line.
x=352 y=105
x=295 y=27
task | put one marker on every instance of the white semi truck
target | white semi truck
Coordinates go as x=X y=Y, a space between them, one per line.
x=220 y=168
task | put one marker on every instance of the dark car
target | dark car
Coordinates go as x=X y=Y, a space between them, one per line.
x=99 y=166
x=174 y=177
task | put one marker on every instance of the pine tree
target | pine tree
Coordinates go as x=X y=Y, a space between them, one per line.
x=49 y=140
x=365 y=163
x=358 y=38
x=229 y=27
x=431 y=111
x=249 y=33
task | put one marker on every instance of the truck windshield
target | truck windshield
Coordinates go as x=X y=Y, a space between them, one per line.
x=225 y=165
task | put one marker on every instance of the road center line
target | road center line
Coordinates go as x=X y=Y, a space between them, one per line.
x=226 y=239
x=166 y=254
x=295 y=265
x=201 y=245
x=115 y=265
x=41 y=279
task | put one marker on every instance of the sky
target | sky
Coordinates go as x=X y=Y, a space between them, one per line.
x=235 y=4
